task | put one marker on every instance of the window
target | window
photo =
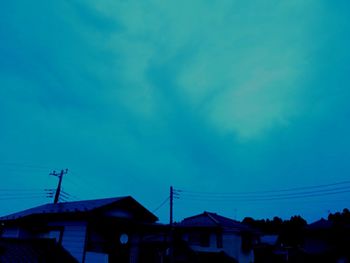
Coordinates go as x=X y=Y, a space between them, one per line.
x=199 y=239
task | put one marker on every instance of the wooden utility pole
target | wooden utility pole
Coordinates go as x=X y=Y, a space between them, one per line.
x=58 y=190
x=171 y=248
x=171 y=206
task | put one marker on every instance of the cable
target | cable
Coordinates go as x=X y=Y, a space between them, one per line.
x=302 y=193
x=23 y=197
x=282 y=194
x=82 y=183
x=267 y=191
x=20 y=190
x=21 y=165
x=68 y=196
x=265 y=198
x=163 y=203
x=24 y=193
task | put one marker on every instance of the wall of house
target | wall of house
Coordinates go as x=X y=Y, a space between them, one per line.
x=73 y=235
x=212 y=246
x=108 y=241
x=232 y=245
x=10 y=232
x=246 y=258
x=118 y=213
x=23 y=232
x=73 y=238
x=135 y=241
x=93 y=257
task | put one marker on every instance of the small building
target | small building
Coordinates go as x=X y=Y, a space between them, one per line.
x=215 y=236
x=102 y=230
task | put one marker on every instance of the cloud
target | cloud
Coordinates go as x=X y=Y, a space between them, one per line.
x=222 y=95
x=242 y=68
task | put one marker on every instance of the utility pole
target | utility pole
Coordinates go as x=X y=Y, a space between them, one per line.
x=171 y=206
x=171 y=248
x=58 y=190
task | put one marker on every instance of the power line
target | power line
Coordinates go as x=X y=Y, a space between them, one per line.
x=266 y=199
x=283 y=194
x=24 y=194
x=23 y=197
x=20 y=190
x=85 y=183
x=266 y=191
x=68 y=196
x=161 y=205
x=22 y=165
x=265 y=195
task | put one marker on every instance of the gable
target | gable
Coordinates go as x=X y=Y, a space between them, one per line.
x=124 y=207
x=213 y=220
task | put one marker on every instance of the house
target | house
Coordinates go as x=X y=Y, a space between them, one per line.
x=219 y=238
x=321 y=241
x=264 y=250
x=33 y=250
x=102 y=230
x=326 y=241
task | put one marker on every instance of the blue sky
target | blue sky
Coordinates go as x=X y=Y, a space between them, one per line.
x=132 y=97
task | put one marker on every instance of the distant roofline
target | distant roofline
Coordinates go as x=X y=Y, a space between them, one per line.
x=211 y=215
x=217 y=220
x=74 y=207
x=204 y=213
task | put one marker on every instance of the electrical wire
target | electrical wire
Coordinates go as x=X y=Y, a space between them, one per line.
x=22 y=193
x=23 y=197
x=68 y=196
x=83 y=182
x=265 y=199
x=161 y=205
x=256 y=196
x=20 y=190
x=272 y=195
x=22 y=165
x=266 y=191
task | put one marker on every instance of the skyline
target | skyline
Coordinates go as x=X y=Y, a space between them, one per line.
x=225 y=97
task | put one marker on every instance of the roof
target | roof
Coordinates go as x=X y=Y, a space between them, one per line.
x=208 y=219
x=320 y=224
x=32 y=250
x=82 y=207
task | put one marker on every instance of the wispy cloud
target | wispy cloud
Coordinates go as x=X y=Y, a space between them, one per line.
x=203 y=94
x=240 y=67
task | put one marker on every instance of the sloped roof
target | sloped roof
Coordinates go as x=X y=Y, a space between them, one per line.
x=320 y=224
x=85 y=206
x=208 y=219
x=33 y=250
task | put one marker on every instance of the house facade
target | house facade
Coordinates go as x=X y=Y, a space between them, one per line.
x=210 y=234
x=103 y=230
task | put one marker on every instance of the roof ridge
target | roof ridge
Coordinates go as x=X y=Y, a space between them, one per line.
x=70 y=206
x=210 y=215
x=91 y=200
